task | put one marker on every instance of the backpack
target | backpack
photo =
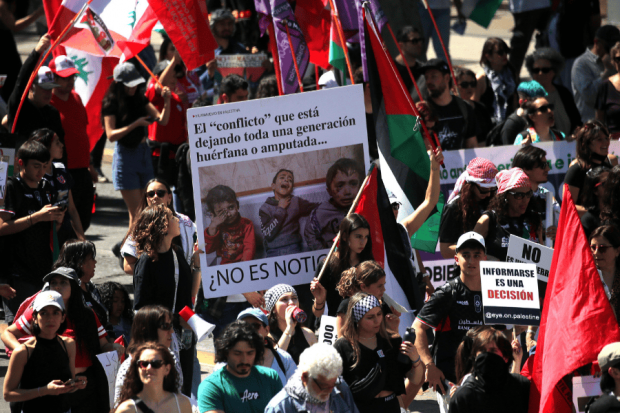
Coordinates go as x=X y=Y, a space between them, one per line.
x=494 y=137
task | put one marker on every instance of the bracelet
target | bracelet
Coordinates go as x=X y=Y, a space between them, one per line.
x=288 y=335
x=318 y=309
x=415 y=361
x=30 y=219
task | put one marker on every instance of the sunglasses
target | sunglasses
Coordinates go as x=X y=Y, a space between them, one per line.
x=502 y=52
x=601 y=248
x=465 y=85
x=165 y=326
x=539 y=70
x=415 y=41
x=544 y=108
x=156 y=364
x=395 y=206
x=160 y=193
x=521 y=195
x=542 y=165
x=484 y=191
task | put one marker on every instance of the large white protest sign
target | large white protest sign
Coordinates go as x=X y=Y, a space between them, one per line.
x=584 y=388
x=521 y=250
x=255 y=232
x=328 y=332
x=110 y=363
x=509 y=293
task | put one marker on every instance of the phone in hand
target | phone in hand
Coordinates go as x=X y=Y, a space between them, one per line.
x=70 y=382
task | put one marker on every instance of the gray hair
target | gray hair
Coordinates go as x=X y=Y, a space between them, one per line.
x=547 y=53
x=320 y=359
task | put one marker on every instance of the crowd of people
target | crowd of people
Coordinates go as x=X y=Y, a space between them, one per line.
x=267 y=354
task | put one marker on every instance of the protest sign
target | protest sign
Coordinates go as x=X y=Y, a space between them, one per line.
x=110 y=363
x=328 y=332
x=584 y=388
x=521 y=250
x=249 y=66
x=509 y=293
x=255 y=241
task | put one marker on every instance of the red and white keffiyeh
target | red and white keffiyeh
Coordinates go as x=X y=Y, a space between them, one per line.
x=513 y=178
x=479 y=171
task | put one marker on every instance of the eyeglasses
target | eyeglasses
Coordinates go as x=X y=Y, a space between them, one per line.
x=601 y=248
x=521 y=195
x=165 y=326
x=502 y=52
x=544 y=108
x=415 y=41
x=542 y=165
x=156 y=364
x=484 y=191
x=326 y=387
x=539 y=70
x=395 y=206
x=160 y=193
x=465 y=85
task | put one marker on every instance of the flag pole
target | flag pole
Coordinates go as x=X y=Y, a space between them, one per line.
x=276 y=58
x=443 y=46
x=316 y=75
x=342 y=39
x=40 y=63
x=293 y=55
x=415 y=84
x=353 y=206
x=148 y=71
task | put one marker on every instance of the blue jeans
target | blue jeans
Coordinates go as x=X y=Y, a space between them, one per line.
x=442 y=17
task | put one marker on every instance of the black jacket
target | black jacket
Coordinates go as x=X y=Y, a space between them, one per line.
x=605 y=403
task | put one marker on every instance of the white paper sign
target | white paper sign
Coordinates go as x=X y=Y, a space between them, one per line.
x=524 y=251
x=509 y=293
x=110 y=363
x=239 y=148
x=327 y=331
x=584 y=388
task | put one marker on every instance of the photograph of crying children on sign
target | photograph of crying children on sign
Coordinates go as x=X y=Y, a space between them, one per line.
x=273 y=179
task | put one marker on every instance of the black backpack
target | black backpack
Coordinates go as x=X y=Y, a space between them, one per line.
x=494 y=137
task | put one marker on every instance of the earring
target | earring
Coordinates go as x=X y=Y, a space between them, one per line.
x=505 y=199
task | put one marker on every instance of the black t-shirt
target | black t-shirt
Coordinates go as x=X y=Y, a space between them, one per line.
x=61 y=182
x=483 y=121
x=404 y=75
x=576 y=174
x=512 y=127
x=451 y=224
x=608 y=100
x=135 y=107
x=498 y=237
x=590 y=221
x=605 y=404
x=452 y=310
x=29 y=250
x=452 y=128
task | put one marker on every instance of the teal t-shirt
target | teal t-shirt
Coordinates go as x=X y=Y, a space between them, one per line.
x=224 y=391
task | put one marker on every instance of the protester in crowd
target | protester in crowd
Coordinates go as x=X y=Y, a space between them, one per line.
x=592 y=69
x=25 y=223
x=36 y=111
x=457 y=121
x=166 y=49
x=84 y=327
x=126 y=113
x=153 y=324
x=491 y=384
x=188 y=87
x=592 y=150
x=497 y=82
x=115 y=298
x=372 y=366
x=267 y=87
x=77 y=143
x=243 y=385
x=610 y=214
x=317 y=386
x=510 y=212
x=441 y=13
x=466 y=84
x=276 y=358
x=529 y=15
x=591 y=198
x=411 y=42
x=234 y=88
x=150 y=382
x=62 y=184
x=282 y=303
x=42 y=369
x=464 y=363
x=540 y=117
x=605 y=246
x=608 y=97
x=450 y=321
x=470 y=197
x=544 y=65
x=609 y=362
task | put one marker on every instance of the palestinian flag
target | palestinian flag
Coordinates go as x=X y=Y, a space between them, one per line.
x=336 y=48
x=389 y=247
x=405 y=165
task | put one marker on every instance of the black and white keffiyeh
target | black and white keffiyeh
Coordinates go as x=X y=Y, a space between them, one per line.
x=274 y=293
x=363 y=306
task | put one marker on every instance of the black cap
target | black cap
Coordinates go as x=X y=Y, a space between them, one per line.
x=610 y=34
x=65 y=272
x=437 y=64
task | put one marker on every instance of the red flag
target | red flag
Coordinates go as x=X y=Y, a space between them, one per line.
x=577 y=320
x=187 y=27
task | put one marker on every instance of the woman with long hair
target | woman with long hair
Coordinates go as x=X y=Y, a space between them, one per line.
x=540 y=117
x=592 y=196
x=592 y=150
x=372 y=363
x=281 y=302
x=115 y=298
x=605 y=246
x=496 y=84
x=509 y=213
x=466 y=89
x=151 y=383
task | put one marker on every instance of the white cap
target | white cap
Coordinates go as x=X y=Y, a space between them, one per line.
x=45 y=78
x=46 y=298
x=471 y=236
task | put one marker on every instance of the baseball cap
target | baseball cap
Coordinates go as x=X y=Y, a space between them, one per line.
x=45 y=78
x=470 y=237
x=63 y=66
x=46 y=298
x=127 y=74
x=65 y=272
x=437 y=64
x=609 y=356
x=254 y=312
x=220 y=14
x=610 y=34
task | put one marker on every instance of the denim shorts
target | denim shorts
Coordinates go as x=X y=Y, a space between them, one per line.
x=131 y=167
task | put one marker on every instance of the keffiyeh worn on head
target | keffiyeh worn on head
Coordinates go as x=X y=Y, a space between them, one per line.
x=274 y=293
x=479 y=171
x=513 y=178
x=363 y=306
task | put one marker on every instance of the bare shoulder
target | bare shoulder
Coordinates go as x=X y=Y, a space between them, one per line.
x=128 y=406
x=184 y=403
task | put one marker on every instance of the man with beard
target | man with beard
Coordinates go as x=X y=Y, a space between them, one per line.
x=456 y=126
x=243 y=386
x=316 y=386
x=411 y=43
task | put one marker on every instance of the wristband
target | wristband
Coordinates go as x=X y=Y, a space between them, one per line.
x=415 y=361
